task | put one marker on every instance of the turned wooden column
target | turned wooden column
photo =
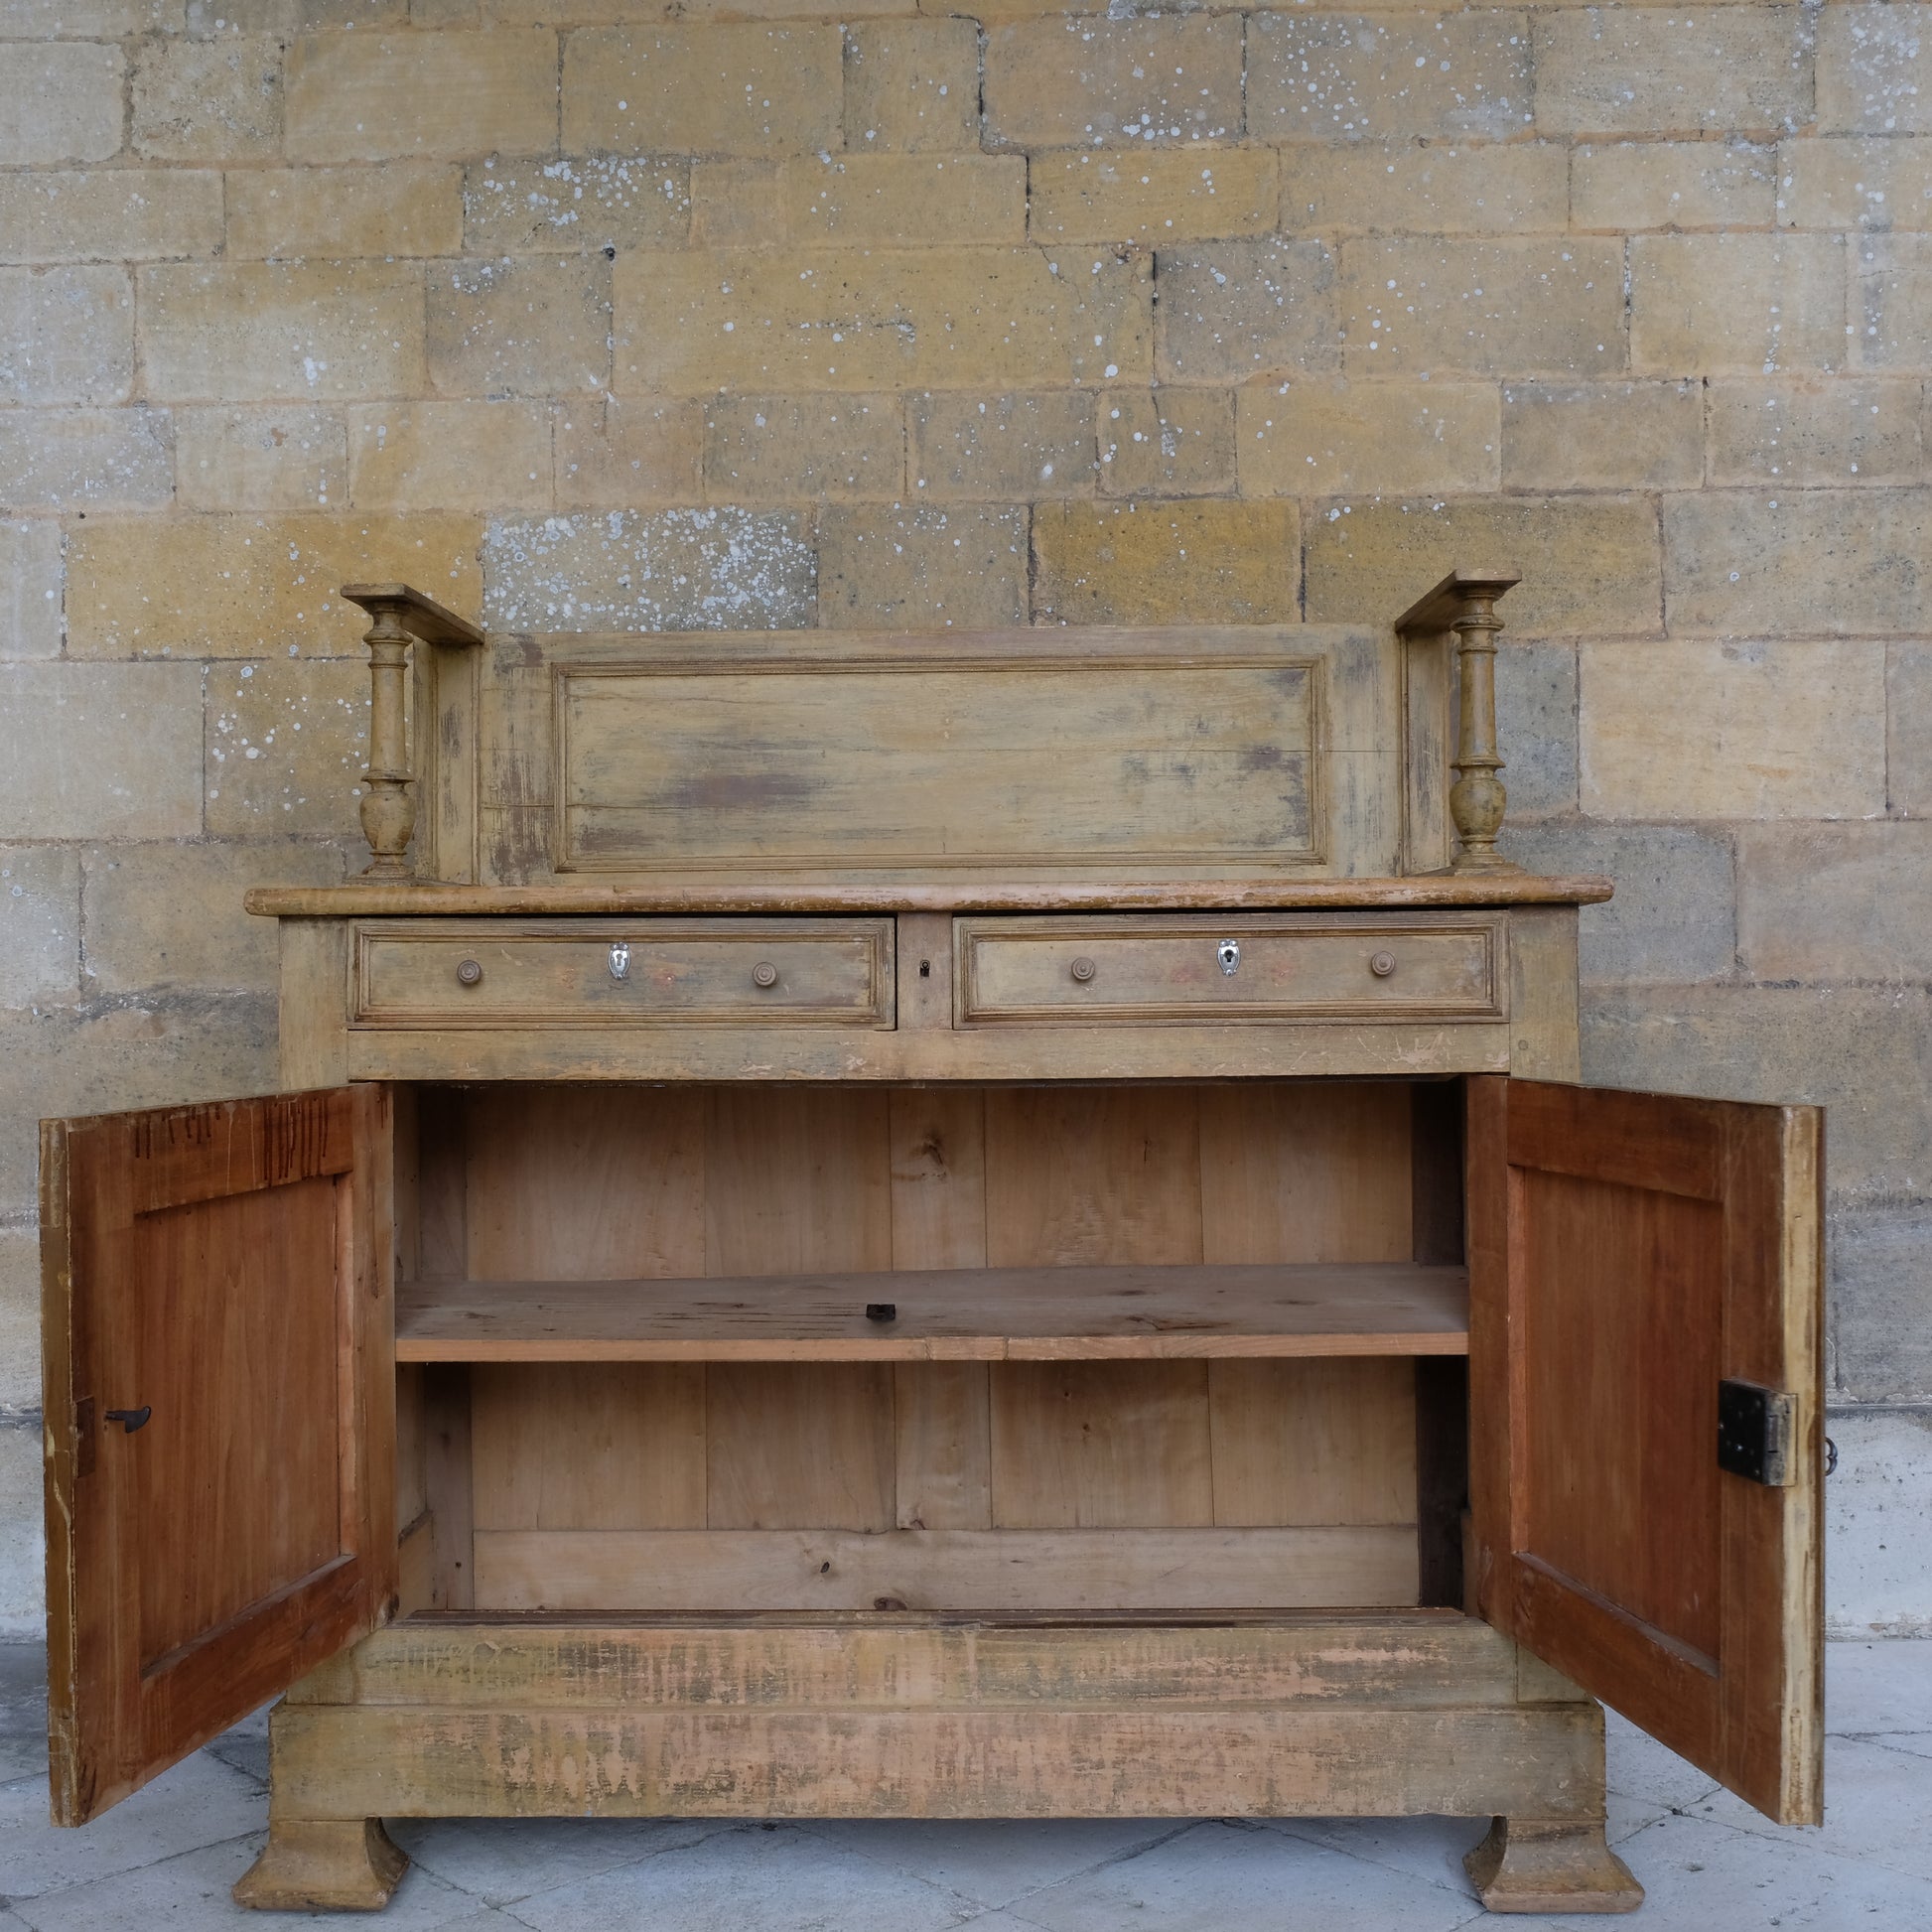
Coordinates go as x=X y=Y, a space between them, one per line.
x=1464 y=606
x=399 y=615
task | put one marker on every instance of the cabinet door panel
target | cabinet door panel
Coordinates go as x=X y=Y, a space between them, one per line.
x=1629 y=1253
x=218 y=1278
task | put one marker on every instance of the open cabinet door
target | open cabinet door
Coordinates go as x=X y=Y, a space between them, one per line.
x=220 y=1411
x=1645 y=1276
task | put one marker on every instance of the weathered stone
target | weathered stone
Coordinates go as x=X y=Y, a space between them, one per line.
x=115 y=1053
x=243 y=587
x=1202 y=562
x=40 y=925
x=1005 y=448
x=846 y=319
x=101 y=750
x=1813 y=562
x=1873 y=181
x=1687 y=70
x=1590 y=563
x=1327 y=76
x=20 y=1362
x=1166 y=441
x=290 y=458
x=1874 y=70
x=1322 y=436
x=1760 y=302
x=1672 y=921
x=310 y=331
x=1079 y=83
x=1882 y=1303
x=911 y=87
x=1236 y=309
x=85 y=459
x=703 y=89
x=409 y=207
x=575 y=204
x=169 y=914
x=1690 y=730
x=736 y=203
x=668 y=570
x=33 y=583
x=1425 y=188
x=888 y=200
x=1483 y=307
x=1862 y=1054
x=1602 y=435
x=380 y=96
x=519 y=327
x=209 y=100
x=1909 y=735
x=1800 y=434
x=1894 y=298
x=450 y=455
x=1536 y=722
x=1673 y=185
x=1169 y=194
x=64 y=104
x=614 y=455
x=1834 y=902
x=66 y=334
x=781 y=449
x=287 y=744
x=109 y=215
x=919 y=565
x=92 y=19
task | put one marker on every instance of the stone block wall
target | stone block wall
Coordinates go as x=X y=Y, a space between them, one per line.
x=744 y=313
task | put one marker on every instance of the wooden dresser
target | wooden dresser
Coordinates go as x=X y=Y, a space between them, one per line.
x=935 y=1226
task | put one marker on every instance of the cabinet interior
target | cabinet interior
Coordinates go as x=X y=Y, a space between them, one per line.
x=644 y=1380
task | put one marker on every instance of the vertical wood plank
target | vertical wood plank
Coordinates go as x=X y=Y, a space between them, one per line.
x=939 y=1168
x=799 y=1446
x=943 y=1434
x=442 y=1183
x=1085 y=1175
x=590 y=1446
x=1543 y=1042
x=450 y=1481
x=1441 y=1397
x=1300 y=1444
x=796 y=1180
x=1100 y=1446
x=586 y=1183
x=313 y=1022
x=1305 y=1172
x=925 y=977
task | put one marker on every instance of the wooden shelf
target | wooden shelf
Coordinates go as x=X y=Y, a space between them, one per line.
x=966 y=1315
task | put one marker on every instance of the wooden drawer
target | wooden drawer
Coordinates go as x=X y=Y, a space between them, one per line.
x=506 y=973
x=1174 y=969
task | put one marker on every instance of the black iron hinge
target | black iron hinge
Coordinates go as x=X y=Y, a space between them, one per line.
x=1757 y=1433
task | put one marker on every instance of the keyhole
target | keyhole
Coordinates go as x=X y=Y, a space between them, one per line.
x=926 y=969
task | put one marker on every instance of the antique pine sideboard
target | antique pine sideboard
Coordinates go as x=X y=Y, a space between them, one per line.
x=943 y=1225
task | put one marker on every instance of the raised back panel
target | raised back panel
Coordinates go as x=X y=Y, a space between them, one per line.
x=1025 y=754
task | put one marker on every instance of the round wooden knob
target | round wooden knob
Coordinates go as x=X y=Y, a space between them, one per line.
x=469 y=972
x=1381 y=964
x=1083 y=969
x=764 y=974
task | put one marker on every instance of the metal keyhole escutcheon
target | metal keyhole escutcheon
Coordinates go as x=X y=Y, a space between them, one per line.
x=1228 y=952
x=621 y=960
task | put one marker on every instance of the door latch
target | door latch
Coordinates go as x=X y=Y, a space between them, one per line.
x=1757 y=1434
x=131 y=1419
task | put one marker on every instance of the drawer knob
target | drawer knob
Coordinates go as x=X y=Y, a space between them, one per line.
x=764 y=974
x=1381 y=964
x=469 y=972
x=1083 y=969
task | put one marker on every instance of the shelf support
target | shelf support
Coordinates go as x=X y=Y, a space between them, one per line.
x=399 y=614
x=1464 y=604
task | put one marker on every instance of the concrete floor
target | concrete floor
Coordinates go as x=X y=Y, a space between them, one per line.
x=168 y=1855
